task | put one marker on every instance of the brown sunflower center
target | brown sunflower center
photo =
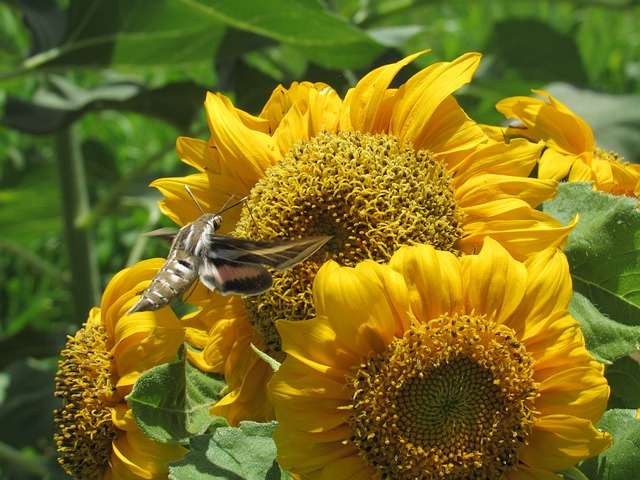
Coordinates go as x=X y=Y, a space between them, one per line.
x=83 y=383
x=369 y=191
x=452 y=399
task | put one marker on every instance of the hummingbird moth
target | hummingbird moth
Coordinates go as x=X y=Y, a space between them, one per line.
x=225 y=264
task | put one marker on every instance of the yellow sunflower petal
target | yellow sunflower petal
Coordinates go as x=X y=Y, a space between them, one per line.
x=525 y=473
x=308 y=451
x=366 y=304
x=210 y=197
x=316 y=344
x=351 y=468
x=324 y=416
x=555 y=164
x=493 y=282
x=519 y=236
x=137 y=457
x=251 y=152
x=482 y=189
x=143 y=340
x=581 y=170
x=560 y=441
x=549 y=284
x=550 y=121
x=449 y=131
x=365 y=99
x=199 y=154
x=580 y=391
x=517 y=159
x=246 y=375
x=434 y=279
x=419 y=97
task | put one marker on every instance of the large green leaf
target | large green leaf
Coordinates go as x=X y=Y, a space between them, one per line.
x=621 y=461
x=604 y=248
x=550 y=55
x=304 y=25
x=64 y=103
x=607 y=339
x=247 y=452
x=132 y=34
x=171 y=402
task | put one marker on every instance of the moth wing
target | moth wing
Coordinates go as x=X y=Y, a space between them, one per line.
x=228 y=277
x=280 y=254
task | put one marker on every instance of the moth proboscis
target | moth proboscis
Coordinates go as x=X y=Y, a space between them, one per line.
x=225 y=264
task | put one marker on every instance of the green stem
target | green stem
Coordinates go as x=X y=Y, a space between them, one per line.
x=75 y=204
x=33 y=465
x=36 y=261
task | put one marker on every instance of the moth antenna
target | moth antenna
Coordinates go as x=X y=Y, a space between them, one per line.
x=225 y=208
x=251 y=216
x=186 y=187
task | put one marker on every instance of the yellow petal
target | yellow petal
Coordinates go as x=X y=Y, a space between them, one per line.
x=199 y=154
x=525 y=473
x=247 y=376
x=246 y=153
x=558 y=442
x=514 y=159
x=519 y=236
x=449 y=130
x=366 y=97
x=366 y=305
x=309 y=452
x=493 y=281
x=142 y=457
x=210 y=191
x=581 y=170
x=481 y=189
x=581 y=391
x=549 y=286
x=434 y=279
x=555 y=165
x=421 y=95
x=316 y=345
x=352 y=468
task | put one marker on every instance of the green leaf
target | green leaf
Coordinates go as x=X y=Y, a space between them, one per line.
x=134 y=34
x=604 y=248
x=304 y=25
x=49 y=110
x=624 y=378
x=551 y=55
x=247 y=452
x=606 y=339
x=171 y=402
x=45 y=20
x=621 y=461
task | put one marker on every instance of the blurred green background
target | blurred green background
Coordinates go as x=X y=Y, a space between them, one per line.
x=94 y=94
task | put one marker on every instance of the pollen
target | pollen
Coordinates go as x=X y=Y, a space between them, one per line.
x=453 y=398
x=83 y=382
x=370 y=192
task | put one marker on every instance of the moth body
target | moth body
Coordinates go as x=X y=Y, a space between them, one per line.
x=225 y=264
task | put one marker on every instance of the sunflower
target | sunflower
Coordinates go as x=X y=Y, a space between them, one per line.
x=98 y=437
x=571 y=152
x=382 y=168
x=436 y=366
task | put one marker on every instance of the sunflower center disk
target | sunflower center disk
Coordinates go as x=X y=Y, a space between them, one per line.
x=452 y=399
x=369 y=191
x=83 y=382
